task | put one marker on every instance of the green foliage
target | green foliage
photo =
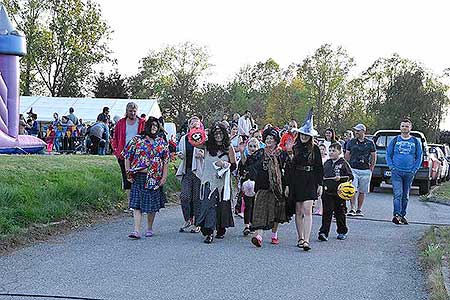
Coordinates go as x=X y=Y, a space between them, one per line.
x=65 y=39
x=173 y=75
x=42 y=189
x=111 y=86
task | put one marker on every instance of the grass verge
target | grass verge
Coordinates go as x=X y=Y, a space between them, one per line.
x=39 y=190
x=435 y=246
x=441 y=194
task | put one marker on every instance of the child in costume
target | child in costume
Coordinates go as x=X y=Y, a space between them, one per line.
x=336 y=171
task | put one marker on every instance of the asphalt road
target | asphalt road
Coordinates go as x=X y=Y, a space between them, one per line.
x=379 y=260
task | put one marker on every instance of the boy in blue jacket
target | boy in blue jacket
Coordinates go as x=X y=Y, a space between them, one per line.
x=404 y=157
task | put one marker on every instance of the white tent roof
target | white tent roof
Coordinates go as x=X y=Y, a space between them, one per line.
x=85 y=108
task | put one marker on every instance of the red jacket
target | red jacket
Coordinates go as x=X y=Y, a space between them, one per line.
x=118 y=141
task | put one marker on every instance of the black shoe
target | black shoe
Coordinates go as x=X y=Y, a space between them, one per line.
x=208 y=239
x=306 y=246
x=246 y=231
x=220 y=237
x=397 y=220
x=322 y=237
x=404 y=220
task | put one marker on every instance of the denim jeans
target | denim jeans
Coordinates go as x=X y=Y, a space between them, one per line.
x=401 y=185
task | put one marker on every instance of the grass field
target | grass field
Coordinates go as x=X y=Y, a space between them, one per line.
x=441 y=194
x=38 y=189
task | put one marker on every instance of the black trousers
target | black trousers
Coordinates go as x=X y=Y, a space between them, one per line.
x=237 y=207
x=330 y=204
x=95 y=143
x=248 y=211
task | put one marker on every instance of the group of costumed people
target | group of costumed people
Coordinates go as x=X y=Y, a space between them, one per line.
x=275 y=182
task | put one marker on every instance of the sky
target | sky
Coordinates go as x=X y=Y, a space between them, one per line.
x=247 y=31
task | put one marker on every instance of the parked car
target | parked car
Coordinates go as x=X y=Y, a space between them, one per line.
x=436 y=166
x=444 y=165
x=446 y=150
x=381 y=173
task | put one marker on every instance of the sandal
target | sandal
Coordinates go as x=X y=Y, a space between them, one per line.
x=301 y=243
x=134 y=235
x=149 y=233
x=306 y=246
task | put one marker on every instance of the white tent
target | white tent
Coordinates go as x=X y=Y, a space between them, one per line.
x=85 y=108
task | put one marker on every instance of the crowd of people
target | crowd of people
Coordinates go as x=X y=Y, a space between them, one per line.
x=270 y=175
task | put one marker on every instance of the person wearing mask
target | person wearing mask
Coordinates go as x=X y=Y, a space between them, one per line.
x=126 y=129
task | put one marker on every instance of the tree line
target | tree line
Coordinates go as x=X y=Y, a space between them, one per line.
x=67 y=38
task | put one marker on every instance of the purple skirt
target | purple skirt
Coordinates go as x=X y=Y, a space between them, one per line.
x=146 y=200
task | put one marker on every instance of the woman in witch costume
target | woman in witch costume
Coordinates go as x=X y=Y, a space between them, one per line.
x=269 y=208
x=215 y=191
x=305 y=172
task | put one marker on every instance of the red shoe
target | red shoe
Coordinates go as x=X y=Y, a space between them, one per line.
x=275 y=241
x=257 y=241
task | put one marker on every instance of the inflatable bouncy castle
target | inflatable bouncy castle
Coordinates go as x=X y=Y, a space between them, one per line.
x=12 y=47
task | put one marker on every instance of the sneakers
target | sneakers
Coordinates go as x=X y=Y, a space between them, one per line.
x=275 y=241
x=359 y=213
x=397 y=219
x=257 y=241
x=351 y=213
x=186 y=227
x=404 y=220
x=195 y=229
x=341 y=236
x=323 y=237
x=208 y=239
x=246 y=231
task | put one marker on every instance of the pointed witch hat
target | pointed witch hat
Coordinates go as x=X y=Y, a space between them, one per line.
x=308 y=126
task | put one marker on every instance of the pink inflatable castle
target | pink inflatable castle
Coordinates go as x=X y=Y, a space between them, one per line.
x=12 y=47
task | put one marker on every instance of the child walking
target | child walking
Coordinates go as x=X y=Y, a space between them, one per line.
x=335 y=171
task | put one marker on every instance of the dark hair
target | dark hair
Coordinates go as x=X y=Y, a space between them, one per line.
x=105 y=109
x=211 y=144
x=148 y=127
x=336 y=146
x=71 y=110
x=247 y=111
x=272 y=132
x=102 y=118
x=333 y=134
x=406 y=120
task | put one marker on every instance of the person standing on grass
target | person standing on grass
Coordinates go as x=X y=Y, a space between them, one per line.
x=404 y=157
x=362 y=156
x=146 y=162
x=126 y=128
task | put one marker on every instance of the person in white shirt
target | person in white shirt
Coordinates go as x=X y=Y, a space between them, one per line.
x=245 y=124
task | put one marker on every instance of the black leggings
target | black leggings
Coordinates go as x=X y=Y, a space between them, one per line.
x=248 y=211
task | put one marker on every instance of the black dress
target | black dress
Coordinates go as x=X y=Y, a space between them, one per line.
x=304 y=173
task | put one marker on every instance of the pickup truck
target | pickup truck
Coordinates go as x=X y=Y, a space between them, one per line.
x=381 y=172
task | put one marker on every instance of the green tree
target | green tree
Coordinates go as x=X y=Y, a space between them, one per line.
x=213 y=103
x=173 y=74
x=326 y=74
x=111 y=86
x=287 y=101
x=65 y=39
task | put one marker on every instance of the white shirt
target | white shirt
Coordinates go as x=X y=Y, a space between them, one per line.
x=131 y=131
x=244 y=126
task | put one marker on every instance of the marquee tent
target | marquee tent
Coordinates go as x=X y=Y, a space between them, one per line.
x=85 y=108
